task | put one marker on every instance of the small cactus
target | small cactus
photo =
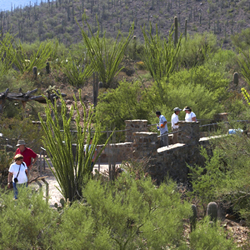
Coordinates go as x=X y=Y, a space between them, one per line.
x=35 y=72
x=212 y=211
x=193 y=218
x=236 y=78
x=47 y=68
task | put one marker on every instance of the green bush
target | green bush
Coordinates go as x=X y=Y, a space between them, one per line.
x=213 y=237
x=195 y=50
x=120 y=104
x=26 y=223
x=129 y=214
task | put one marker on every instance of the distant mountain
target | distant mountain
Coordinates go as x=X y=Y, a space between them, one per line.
x=47 y=19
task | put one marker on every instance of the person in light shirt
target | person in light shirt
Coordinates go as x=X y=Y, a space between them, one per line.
x=163 y=128
x=175 y=123
x=190 y=116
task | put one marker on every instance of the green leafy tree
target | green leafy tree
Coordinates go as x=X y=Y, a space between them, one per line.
x=71 y=172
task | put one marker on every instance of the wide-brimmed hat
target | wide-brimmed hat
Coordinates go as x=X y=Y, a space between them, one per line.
x=18 y=156
x=177 y=109
x=20 y=142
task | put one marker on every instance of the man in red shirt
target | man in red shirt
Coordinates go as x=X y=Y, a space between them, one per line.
x=27 y=153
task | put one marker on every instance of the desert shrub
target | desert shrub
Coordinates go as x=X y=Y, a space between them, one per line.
x=128 y=214
x=5 y=160
x=207 y=180
x=195 y=96
x=195 y=50
x=25 y=223
x=213 y=81
x=242 y=40
x=210 y=237
x=120 y=104
x=17 y=128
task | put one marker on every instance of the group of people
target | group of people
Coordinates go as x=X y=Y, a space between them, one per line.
x=19 y=171
x=162 y=126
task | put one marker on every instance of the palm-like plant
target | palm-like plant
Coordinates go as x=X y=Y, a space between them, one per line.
x=71 y=172
x=105 y=58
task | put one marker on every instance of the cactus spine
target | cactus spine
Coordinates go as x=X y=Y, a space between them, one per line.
x=175 y=30
x=212 y=211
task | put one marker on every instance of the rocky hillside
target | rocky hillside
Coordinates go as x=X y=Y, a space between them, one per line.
x=58 y=19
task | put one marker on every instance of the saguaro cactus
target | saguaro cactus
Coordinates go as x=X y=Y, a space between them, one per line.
x=175 y=30
x=212 y=211
x=47 y=68
x=35 y=72
x=186 y=29
x=236 y=78
x=193 y=218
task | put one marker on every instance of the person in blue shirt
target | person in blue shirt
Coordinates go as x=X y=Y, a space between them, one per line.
x=163 y=128
x=89 y=150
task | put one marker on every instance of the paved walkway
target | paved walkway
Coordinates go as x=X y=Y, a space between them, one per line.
x=54 y=193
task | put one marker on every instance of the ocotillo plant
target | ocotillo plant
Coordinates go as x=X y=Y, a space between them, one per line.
x=212 y=211
x=105 y=58
x=72 y=173
x=160 y=54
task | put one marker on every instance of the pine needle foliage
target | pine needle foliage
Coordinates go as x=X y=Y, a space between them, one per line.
x=105 y=58
x=160 y=54
x=72 y=173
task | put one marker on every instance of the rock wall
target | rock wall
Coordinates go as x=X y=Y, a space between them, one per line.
x=166 y=161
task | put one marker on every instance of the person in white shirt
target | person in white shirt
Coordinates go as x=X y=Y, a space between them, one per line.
x=18 y=174
x=163 y=128
x=175 y=123
x=190 y=116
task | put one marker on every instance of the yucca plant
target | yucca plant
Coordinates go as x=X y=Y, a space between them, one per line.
x=160 y=54
x=77 y=71
x=105 y=58
x=72 y=173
